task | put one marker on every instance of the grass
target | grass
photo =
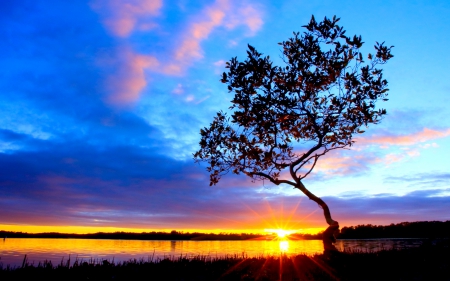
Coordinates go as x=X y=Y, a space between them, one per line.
x=430 y=262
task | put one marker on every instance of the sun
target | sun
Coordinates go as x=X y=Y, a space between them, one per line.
x=281 y=233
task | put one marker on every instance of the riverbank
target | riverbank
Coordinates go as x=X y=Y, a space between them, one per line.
x=429 y=262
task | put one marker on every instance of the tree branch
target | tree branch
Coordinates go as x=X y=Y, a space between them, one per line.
x=277 y=182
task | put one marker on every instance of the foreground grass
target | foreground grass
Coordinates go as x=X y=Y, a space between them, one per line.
x=424 y=263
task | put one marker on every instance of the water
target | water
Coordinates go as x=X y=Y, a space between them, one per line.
x=13 y=250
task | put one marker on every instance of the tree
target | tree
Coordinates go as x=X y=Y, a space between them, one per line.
x=284 y=118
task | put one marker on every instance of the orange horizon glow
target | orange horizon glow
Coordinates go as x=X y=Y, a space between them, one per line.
x=279 y=221
x=94 y=229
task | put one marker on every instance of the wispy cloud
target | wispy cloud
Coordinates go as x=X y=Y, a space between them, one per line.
x=397 y=148
x=127 y=82
x=409 y=139
x=222 y=13
x=422 y=180
x=122 y=17
x=248 y=15
x=343 y=164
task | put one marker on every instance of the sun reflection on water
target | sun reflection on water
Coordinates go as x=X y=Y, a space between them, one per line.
x=284 y=246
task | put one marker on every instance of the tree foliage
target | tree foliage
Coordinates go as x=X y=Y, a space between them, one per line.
x=323 y=95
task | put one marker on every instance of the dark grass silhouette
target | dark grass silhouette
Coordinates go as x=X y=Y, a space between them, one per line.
x=428 y=262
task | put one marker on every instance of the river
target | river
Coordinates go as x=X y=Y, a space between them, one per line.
x=13 y=250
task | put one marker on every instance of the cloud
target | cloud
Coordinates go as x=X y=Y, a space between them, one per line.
x=126 y=84
x=247 y=15
x=422 y=180
x=360 y=158
x=341 y=164
x=220 y=63
x=199 y=30
x=404 y=140
x=70 y=158
x=388 y=209
x=125 y=187
x=178 y=90
x=221 y=13
x=122 y=17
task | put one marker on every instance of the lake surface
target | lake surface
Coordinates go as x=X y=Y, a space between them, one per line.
x=13 y=250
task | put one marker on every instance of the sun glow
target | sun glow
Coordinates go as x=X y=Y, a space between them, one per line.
x=281 y=233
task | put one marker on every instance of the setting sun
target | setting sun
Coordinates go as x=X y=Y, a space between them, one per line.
x=281 y=233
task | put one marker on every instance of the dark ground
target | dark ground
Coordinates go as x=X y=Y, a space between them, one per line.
x=428 y=262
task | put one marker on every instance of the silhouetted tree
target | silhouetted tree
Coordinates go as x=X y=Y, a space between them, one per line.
x=322 y=96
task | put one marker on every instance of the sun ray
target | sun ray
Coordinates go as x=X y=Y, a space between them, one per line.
x=324 y=268
x=271 y=212
x=234 y=267
x=281 y=268
x=293 y=212
x=301 y=272
x=302 y=219
x=256 y=213
x=260 y=271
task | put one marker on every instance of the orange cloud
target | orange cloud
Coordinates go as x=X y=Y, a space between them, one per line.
x=127 y=84
x=121 y=17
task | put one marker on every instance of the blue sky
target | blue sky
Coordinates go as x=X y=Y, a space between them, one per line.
x=101 y=103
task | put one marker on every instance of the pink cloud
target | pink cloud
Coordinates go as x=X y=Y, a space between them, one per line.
x=411 y=144
x=246 y=15
x=121 y=17
x=341 y=162
x=359 y=159
x=220 y=13
x=411 y=139
x=338 y=164
x=178 y=90
x=251 y=17
x=220 y=63
x=198 y=31
x=126 y=85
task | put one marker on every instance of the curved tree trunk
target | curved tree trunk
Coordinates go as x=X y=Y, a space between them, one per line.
x=329 y=234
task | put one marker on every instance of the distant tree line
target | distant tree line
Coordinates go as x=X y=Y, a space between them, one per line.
x=173 y=235
x=421 y=229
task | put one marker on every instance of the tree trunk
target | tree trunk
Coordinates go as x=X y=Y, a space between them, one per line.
x=329 y=234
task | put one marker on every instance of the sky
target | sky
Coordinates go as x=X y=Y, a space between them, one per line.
x=101 y=104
